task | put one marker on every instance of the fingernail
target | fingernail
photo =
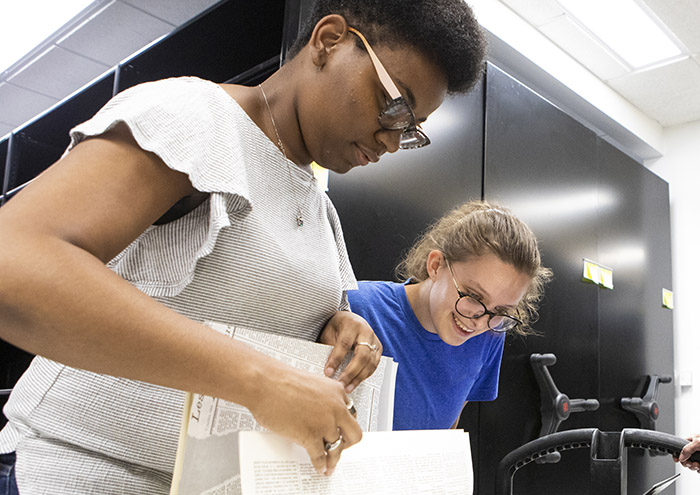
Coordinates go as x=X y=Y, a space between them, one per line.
x=322 y=470
x=350 y=388
x=330 y=471
x=329 y=371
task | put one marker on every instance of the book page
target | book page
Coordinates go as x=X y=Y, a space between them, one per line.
x=662 y=485
x=425 y=462
x=207 y=460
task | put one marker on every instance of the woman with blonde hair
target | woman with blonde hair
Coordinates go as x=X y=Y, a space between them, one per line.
x=472 y=277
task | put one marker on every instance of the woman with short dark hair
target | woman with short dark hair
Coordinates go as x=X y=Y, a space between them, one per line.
x=183 y=201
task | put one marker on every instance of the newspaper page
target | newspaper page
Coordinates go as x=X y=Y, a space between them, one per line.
x=423 y=462
x=207 y=460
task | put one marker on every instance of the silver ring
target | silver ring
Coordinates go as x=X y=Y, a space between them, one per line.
x=351 y=407
x=329 y=447
x=372 y=347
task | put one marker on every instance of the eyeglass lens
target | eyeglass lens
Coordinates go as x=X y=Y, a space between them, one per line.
x=413 y=138
x=472 y=308
x=398 y=115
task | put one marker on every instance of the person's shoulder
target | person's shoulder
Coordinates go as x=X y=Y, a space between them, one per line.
x=173 y=84
x=376 y=286
x=182 y=81
x=188 y=91
x=372 y=292
x=171 y=96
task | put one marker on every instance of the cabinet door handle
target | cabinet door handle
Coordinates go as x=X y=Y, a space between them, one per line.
x=555 y=406
x=646 y=408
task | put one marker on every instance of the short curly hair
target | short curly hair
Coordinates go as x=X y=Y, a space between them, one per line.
x=477 y=228
x=445 y=31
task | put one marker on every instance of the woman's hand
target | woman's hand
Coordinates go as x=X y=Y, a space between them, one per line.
x=347 y=332
x=310 y=410
x=690 y=448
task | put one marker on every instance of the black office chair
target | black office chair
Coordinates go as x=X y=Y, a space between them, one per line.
x=608 y=462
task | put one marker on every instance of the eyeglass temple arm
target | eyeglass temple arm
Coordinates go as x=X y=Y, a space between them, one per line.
x=381 y=71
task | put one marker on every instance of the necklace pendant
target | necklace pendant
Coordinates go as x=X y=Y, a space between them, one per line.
x=300 y=221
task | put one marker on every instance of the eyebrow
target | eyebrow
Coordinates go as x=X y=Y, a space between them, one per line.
x=481 y=291
x=409 y=94
x=409 y=97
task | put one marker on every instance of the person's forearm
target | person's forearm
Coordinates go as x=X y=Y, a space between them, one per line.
x=60 y=302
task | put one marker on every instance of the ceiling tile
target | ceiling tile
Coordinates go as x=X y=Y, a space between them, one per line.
x=581 y=46
x=5 y=129
x=115 y=33
x=61 y=82
x=18 y=105
x=682 y=17
x=668 y=94
x=536 y=12
x=176 y=13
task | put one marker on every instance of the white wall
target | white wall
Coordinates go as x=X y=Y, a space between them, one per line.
x=680 y=167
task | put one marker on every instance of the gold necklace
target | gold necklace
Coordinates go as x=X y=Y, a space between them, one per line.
x=300 y=218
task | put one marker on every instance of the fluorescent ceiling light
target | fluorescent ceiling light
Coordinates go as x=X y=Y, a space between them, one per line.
x=26 y=24
x=625 y=28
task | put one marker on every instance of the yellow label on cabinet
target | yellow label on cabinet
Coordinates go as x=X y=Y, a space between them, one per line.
x=591 y=271
x=606 y=277
x=598 y=274
x=667 y=298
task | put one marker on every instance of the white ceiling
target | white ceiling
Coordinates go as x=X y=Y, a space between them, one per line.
x=105 y=33
x=111 y=30
x=669 y=94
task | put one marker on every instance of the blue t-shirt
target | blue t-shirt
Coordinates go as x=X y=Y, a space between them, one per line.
x=434 y=379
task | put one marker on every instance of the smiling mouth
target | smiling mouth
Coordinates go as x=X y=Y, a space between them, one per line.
x=460 y=325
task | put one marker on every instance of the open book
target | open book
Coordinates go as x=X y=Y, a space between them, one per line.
x=207 y=461
x=662 y=485
x=423 y=462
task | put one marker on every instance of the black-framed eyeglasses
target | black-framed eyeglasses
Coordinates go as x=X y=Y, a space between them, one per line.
x=470 y=307
x=398 y=114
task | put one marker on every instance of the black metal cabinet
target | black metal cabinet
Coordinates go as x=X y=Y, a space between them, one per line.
x=636 y=332
x=13 y=363
x=541 y=163
x=584 y=199
x=4 y=148
x=41 y=142
x=223 y=42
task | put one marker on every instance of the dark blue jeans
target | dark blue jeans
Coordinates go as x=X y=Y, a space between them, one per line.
x=8 y=484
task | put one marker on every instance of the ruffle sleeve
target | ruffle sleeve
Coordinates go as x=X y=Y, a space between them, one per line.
x=192 y=125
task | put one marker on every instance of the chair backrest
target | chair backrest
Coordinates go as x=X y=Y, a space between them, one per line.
x=608 y=455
